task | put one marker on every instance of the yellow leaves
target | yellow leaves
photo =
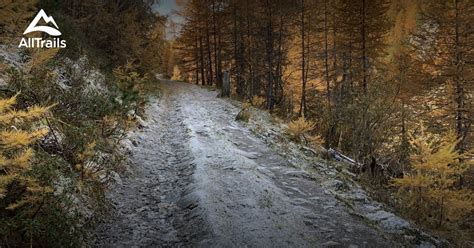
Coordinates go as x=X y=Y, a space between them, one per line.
x=177 y=76
x=88 y=152
x=21 y=116
x=15 y=16
x=439 y=156
x=22 y=160
x=16 y=152
x=460 y=202
x=6 y=104
x=10 y=139
x=86 y=165
x=36 y=195
x=298 y=128
x=405 y=12
x=122 y=72
x=8 y=116
x=257 y=101
x=14 y=139
x=412 y=181
x=18 y=163
x=315 y=140
x=437 y=167
x=39 y=57
x=5 y=180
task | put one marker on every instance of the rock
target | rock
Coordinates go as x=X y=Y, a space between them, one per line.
x=142 y=209
x=251 y=155
x=307 y=222
x=359 y=196
x=426 y=245
x=388 y=221
x=3 y=83
x=335 y=184
x=131 y=114
x=330 y=244
x=116 y=177
x=409 y=237
x=141 y=123
x=118 y=100
x=379 y=215
x=395 y=224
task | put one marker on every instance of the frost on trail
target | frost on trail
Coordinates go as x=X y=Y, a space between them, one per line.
x=200 y=178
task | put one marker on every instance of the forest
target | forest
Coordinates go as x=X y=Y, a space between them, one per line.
x=237 y=123
x=388 y=83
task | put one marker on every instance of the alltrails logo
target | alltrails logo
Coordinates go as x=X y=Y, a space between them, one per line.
x=40 y=42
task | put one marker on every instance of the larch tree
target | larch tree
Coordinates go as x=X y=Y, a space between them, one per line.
x=453 y=58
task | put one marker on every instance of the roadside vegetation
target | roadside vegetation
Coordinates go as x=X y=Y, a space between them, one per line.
x=63 y=113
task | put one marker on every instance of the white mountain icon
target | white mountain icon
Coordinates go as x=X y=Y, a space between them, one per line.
x=50 y=30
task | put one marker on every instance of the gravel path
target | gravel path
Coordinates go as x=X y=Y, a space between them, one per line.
x=201 y=179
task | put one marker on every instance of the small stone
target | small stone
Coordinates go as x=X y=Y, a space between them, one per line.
x=426 y=245
x=307 y=222
x=395 y=223
x=379 y=215
x=116 y=177
x=142 y=209
x=331 y=244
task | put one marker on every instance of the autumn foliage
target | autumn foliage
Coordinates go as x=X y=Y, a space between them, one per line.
x=297 y=129
x=18 y=187
x=433 y=191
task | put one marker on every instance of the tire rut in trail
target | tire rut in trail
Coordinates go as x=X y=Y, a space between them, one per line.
x=154 y=205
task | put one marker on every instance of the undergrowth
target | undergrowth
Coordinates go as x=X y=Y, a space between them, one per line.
x=55 y=193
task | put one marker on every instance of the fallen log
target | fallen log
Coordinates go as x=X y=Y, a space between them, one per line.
x=333 y=153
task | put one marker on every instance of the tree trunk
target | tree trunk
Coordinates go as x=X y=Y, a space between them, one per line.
x=217 y=42
x=269 y=58
x=365 y=64
x=303 y=65
x=201 y=51
x=225 y=90
x=326 y=58
x=196 y=59
x=461 y=124
x=210 y=80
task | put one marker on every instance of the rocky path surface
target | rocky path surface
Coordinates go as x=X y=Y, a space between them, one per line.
x=200 y=179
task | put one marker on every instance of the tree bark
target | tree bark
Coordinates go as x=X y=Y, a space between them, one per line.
x=461 y=124
x=225 y=90
x=201 y=51
x=303 y=64
x=210 y=80
x=365 y=65
x=269 y=58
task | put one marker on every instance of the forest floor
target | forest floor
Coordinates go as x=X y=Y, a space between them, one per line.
x=199 y=178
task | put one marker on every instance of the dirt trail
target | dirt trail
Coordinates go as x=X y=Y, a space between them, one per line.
x=199 y=178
